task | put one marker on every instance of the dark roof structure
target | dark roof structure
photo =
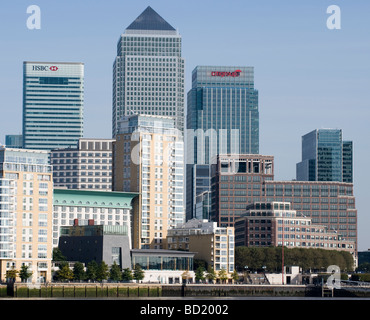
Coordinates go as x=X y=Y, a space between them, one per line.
x=150 y=20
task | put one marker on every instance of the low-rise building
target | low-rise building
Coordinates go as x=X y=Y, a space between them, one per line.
x=213 y=244
x=277 y=224
x=104 y=207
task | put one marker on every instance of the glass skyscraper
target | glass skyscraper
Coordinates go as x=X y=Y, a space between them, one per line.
x=222 y=118
x=53 y=99
x=325 y=157
x=148 y=72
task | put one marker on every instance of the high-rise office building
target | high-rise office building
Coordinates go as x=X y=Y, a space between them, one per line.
x=325 y=157
x=148 y=72
x=26 y=206
x=53 y=99
x=85 y=166
x=222 y=118
x=148 y=158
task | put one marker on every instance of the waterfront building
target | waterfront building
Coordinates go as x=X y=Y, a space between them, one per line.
x=213 y=244
x=103 y=207
x=148 y=158
x=164 y=266
x=274 y=223
x=87 y=243
x=53 y=100
x=325 y=157
x=88 y=165
x=222 y=118
x=328 y=203
x=148 y=71
x=26 y=190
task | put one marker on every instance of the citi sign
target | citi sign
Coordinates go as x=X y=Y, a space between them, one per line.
x=234 y=74
x=44 y=68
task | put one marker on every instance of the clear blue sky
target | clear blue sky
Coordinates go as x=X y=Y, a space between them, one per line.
x=308 y=76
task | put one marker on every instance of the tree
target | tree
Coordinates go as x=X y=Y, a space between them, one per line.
x=235 y=276
x=222 y=275
x=57 y=255
x=91 y=270
x=12 y=274
x=24 y=273
x=65 y=273
x=127 y=275
x=79 y=271
x=199 y=274
x=115 y=273
x=138 y=273
x=211 y=275
x=102 y=272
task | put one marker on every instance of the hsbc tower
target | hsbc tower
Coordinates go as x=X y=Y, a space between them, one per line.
x=53 y=100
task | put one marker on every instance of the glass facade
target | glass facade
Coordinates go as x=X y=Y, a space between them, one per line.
x=163 y=262
x=53 y=97
x=222 y=118
x=148 y=72
x=325 y=157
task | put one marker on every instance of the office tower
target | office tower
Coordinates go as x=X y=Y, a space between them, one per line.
x=103 y=207
x=222 y=118
x=211 y=243
x=14 y=141
x=328 y=203
x=274 y=223
x=148 y=158
x=26 y=205
x=88 y=165
x=325 y=157
x=53 y=99
x=238 y=180
x=148 y=72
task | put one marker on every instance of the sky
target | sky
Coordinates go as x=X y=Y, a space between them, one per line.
x=308 y=76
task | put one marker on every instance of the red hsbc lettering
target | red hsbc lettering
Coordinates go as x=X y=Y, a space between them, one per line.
x=235 y=73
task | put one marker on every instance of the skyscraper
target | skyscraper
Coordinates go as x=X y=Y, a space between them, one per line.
x=222 y=118
x=148 y=158
x=53 y=98
x=148 y=72
x=325 y=157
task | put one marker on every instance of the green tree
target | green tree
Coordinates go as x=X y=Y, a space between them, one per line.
x=24 y=273
x=65 y=273
x=102 y=272
x=12 y=274
x=79 y=271
x=91 y=270
x=115 y=273
x=211 y=274
x=127 y=274
x=138 y=273
x=57 y=255
x=199 y=274
x=235 y=276
x=222 y=275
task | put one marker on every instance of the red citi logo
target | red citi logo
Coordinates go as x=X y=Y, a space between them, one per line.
x=53 y=68
x=234 y=74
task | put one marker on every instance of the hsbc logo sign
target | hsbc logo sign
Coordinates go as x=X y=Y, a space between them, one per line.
x=44 y=68
x=235 y=73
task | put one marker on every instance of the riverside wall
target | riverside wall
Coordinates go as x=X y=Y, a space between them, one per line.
x=144 y=290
